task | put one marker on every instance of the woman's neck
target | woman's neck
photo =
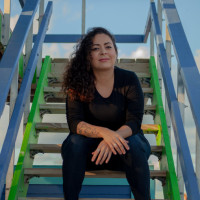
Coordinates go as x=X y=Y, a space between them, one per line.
x=104 y=76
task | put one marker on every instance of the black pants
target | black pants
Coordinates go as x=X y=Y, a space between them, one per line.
x=77 y=153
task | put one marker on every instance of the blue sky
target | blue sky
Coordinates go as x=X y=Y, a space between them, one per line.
x=120 y=17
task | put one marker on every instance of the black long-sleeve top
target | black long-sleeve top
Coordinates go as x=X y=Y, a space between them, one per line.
x=125 y=105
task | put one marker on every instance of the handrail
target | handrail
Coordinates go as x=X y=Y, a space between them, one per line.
x=186 y=63
x=73 y=38
x=180 y=136
x=8 y=64
x=15 y=120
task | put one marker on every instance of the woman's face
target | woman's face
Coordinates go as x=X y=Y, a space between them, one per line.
x=103 y=54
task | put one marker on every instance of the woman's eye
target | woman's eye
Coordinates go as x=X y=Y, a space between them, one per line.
x=108 y=47
x=95 y=49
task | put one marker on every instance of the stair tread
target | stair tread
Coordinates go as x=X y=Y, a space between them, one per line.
x=63 y=127
x=60 y=108
x=54 y=198
x=57 y=172
x=59 y=89
x=136 y=65
x=56 y=148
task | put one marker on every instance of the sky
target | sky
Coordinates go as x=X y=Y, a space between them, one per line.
x=120 y=17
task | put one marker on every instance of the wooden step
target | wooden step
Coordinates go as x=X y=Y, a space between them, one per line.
x=58 y=108
x=57 y=91
x=57 y=172
x=63 y=128
x=55 y=78
x=136 y=65
x=54 y=94
x=56 y=148
x=54 y=198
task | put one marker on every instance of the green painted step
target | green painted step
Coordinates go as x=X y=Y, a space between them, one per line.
x=57 y=172
x=56 y=148
x=63 y=127
x=58 y=108
x=56 y=93
x=47 y=198
x=138 y=66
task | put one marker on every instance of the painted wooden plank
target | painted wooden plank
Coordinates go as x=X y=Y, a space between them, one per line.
x=56 y=79
x=132 y=65
x=59 y=108
x=63 y=127
x=55 y=172
x=54 y=198
x=58 y=93
x=56 y=148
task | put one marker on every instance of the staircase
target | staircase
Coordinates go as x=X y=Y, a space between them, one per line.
x=49 y=100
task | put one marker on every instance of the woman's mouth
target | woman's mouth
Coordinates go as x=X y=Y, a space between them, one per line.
x=103 y=59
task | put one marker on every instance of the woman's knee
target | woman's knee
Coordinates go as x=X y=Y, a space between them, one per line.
x=139 y=145
x=74 y=145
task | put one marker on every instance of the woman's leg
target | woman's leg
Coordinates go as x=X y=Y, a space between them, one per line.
x=136 y=166
x=75 y=150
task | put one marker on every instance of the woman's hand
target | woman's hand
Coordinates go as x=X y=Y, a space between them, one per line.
x=102 y=154
x=115 y=141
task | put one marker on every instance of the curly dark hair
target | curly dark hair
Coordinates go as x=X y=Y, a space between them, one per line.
x=79 y=78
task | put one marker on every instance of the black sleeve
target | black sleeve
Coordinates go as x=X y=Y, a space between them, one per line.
x=74 y=113
x=135 y=104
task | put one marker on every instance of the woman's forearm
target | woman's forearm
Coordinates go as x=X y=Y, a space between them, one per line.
x=124 y=131
x=114 y=139
x=89 y=130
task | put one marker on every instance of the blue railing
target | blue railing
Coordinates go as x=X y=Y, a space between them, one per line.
x=186 y=63
x=11 y=135
x=9 y=61
x=191 y=78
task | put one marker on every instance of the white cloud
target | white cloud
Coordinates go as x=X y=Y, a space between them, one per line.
x=13 y=21
x=52 y=50
x=140 y=52
x=58 y=50
x=68 y=48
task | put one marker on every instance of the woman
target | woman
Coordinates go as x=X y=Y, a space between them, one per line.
x=104 y=108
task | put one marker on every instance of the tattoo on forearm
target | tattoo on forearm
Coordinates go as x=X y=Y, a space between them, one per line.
x=87 y=130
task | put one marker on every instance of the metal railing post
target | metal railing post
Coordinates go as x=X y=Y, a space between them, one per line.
x=181 y=100
x=13 y=97
x=151 y=42
x=39 y=64
x=83 y=16
x=13 y=89
x=159 y=10
x=28 y=48
x=6 y=23
x=169 y=55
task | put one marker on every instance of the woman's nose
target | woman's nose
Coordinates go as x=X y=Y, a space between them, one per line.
x=103 y=51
